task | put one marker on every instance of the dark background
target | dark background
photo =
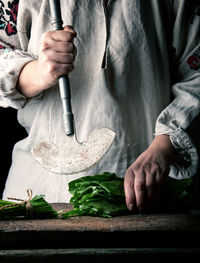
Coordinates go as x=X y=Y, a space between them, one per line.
x=10 y=133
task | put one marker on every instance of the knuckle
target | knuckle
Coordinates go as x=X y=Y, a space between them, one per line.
x=45 y=36
x=51 y=67
x=139 y=185
x=129 y=183
x=69 y=58
x=66 y=68
x=137 y=168
x=129 y=171
x=43 y=46
x=155 y=167
x=129 y=180
x=69 y=36
x=68 y=48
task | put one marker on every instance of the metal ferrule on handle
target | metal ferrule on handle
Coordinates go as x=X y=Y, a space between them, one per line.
x=64 y=85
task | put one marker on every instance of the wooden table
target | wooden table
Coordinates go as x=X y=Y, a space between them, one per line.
x=159 y=236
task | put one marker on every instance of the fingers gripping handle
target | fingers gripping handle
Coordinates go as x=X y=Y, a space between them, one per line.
x=64 y=85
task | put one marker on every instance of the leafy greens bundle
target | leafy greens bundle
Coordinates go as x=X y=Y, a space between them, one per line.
x=98 y=195
x=37 y=207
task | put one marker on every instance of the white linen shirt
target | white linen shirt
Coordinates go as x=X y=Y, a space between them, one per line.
x=134 y=74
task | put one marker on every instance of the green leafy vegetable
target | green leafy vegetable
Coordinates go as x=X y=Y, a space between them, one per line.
x=174 y=194
x=178 y=188
x=98 y=195
x=37 y=208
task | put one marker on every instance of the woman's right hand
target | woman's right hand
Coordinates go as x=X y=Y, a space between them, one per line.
x=56 y=58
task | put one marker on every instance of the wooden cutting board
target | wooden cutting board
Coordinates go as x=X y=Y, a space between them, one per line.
x=129 y=230
x=134 y=222
x=159 y=237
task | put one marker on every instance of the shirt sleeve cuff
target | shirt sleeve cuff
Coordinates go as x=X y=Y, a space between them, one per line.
x=186 y=164
x=11 y=66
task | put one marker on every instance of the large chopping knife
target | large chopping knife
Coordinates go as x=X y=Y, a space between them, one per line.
x=73 y=157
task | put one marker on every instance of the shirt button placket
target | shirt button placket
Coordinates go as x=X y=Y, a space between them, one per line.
x=104 y=6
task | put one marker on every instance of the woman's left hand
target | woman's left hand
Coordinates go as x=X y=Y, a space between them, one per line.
x=144 y=178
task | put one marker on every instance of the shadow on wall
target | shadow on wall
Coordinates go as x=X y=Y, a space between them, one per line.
x=10 y=133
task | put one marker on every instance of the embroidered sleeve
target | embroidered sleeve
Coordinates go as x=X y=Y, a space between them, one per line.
x=12 y=56
x=8 y=24
x=194 y=60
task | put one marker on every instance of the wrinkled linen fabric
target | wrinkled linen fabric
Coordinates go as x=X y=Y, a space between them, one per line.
x=131 y=75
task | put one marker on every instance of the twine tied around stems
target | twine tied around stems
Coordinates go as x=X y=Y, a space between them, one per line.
x=29 y=208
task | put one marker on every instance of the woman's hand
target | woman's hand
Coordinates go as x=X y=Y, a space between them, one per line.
x=144 y=178
x=56 y=57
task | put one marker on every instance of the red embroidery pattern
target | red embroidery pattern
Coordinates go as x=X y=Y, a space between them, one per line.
x=8 y=17
x=194 y=62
